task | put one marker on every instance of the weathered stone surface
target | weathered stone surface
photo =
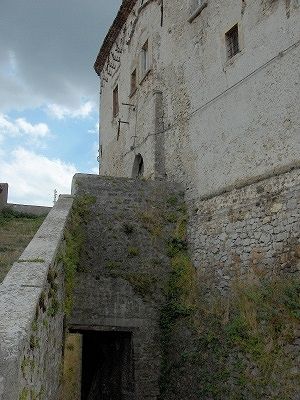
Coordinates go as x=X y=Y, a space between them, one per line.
x=31 y=314
x=124 y=266
x=268 y=246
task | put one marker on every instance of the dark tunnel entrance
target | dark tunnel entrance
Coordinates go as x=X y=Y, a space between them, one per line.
x=107 y=366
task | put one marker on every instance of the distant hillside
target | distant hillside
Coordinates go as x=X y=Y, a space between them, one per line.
x=16 y=231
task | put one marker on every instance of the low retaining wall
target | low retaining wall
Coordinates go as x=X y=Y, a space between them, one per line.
x=32 y=313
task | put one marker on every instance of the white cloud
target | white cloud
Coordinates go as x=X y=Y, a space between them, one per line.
x=7 y=127
x=62 y=112
x=36 y=131
x=32 y=178
x=95 y=130
x=21 y=127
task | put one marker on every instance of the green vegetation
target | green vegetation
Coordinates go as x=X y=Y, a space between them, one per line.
x=54 y=305
x=75 y=238
x=181 y=295
x=34 y=260
x=232 y=347
x=143 y=284
x=24 y=394
x=54 y=308
x=133 y=251
x=16 y=231
x=113 y=265
x=27 y=365
x=152 y=221
x=34 y=342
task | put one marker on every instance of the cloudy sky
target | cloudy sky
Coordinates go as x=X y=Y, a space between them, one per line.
x=49 y=93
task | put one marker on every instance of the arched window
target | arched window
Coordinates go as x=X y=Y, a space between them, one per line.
x=138 y=166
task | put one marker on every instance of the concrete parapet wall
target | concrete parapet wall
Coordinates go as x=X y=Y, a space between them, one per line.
x=3 y=195
x=21 y=208
x=251 y=230
x=31 y=314
x=28 y=209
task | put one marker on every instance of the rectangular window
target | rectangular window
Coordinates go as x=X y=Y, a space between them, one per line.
x=133 y=83
x=145 y=57
x=116 y=101
x=232 y=41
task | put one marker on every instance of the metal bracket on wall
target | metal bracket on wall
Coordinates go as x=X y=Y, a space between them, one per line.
x=129 y=105
x=119 y=127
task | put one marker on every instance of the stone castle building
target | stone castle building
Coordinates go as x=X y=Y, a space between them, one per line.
x=206 y=94
x=200 y=100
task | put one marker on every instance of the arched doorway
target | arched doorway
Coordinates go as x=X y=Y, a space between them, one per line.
x=138 y=166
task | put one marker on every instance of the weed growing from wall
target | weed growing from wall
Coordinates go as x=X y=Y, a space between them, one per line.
x=244 y=346
x=74 y=241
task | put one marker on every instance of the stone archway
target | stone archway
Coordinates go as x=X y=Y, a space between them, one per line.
x=138 y=166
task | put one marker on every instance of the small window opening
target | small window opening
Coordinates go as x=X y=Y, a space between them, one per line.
x=116 y=101
x=133 y=82
x=232 y=41
x=145 y=57
x=138 y=167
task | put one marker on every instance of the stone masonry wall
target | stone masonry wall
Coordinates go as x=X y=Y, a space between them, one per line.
x=32 y=313
x=223 y=120
x=124 y=267
x=252 y=230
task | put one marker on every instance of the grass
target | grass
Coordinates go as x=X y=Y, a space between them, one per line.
x=226 y=348
x=16 y=231
x=232 y=348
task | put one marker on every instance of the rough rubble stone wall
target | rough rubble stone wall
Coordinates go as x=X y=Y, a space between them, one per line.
x=32 y=314
x=251 y=230
x=123 y=267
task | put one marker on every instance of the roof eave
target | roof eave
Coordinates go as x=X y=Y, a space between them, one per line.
x=113 y=33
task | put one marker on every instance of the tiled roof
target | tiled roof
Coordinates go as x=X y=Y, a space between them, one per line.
x=113 y=33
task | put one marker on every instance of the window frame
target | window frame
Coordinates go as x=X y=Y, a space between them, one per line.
x=145 y=63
